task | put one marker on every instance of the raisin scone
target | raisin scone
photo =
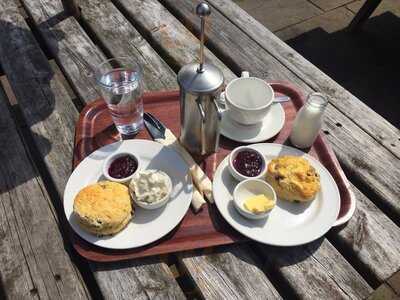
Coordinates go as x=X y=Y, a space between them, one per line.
x=103 y=208
x=293 y=178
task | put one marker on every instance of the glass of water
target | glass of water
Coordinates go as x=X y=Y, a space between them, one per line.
x=121 y=84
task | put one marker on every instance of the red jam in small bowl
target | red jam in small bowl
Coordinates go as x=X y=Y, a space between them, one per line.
x=123 y=166
x=248 y=163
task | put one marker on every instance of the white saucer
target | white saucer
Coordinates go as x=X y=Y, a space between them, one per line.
x=269 y=127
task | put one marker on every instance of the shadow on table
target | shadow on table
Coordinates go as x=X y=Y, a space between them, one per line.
x=366 y=62
x=30 y=76
x=2 y=289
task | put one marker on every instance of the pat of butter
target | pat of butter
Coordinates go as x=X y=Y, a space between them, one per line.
x=258 y=204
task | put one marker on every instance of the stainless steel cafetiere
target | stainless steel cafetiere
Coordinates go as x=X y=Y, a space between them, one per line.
x=200 y=85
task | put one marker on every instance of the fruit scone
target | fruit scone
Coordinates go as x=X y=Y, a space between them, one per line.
x=103 y=208
x=293 y=178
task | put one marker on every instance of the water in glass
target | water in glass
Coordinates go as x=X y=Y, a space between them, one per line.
x=124 y=99
x=120 y=80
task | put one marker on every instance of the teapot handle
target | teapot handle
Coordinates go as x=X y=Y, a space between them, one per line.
x=219 y=112
x=202 y=126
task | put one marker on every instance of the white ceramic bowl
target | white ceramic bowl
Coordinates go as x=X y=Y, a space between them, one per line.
x=238 y=176
x=110 y=159
x=248 y=188
x=157 y=204
x=248 y=100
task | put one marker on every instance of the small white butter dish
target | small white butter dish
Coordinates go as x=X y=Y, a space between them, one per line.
x=248 y=188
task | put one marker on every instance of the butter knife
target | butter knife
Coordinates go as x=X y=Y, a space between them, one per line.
x=163 y=135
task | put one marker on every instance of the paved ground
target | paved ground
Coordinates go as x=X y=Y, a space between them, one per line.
x=366 y=63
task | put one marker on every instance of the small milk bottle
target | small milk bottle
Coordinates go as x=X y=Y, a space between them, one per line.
x=308 y=121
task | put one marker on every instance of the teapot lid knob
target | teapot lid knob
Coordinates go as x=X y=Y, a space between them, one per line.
x=203 y=10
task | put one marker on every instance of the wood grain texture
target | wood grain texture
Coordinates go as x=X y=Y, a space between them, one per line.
x=68 y=43
x=339 y=97
x=176 y=43
x=233 y=263
x=366 y=160
x=42 y=99
x=48 y=111
x=370 y=237
x=347 y=138
x=71 y=6
x=120 y=38
x=34 y=263
x=315 y=271
x=138 y=279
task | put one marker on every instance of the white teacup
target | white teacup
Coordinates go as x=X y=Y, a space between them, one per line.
x=248 y=99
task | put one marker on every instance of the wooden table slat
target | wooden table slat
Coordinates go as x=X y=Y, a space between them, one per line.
x=68 y=43
x=216 y=274
x=315 y=271
x=148 y=278
x=120 y=38
x=34 y=263
x=42 y=99
x=348 y=104
x=177 y=44
x=370 y=237
x=50 y=114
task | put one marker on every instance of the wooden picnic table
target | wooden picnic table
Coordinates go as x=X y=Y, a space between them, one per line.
x=45 y=59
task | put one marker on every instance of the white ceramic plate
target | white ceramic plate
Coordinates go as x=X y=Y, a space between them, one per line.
x=146 y=226
x=288 y=224
x=269 y=127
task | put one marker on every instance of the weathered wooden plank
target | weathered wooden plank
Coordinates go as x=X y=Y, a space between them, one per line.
x=51 y=117
x=349 y=105
x=177 y=45
x=69 y=45
x=71 y=6
x=42 y=99
x=347 y=138
x=370 y=238
x=148 y=279
x=315 y=271
x=233 y=263
x=120 y=38
x=34 y=262
x=365 y=160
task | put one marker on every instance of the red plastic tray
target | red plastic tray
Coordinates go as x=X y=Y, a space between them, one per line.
x=206 y=228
